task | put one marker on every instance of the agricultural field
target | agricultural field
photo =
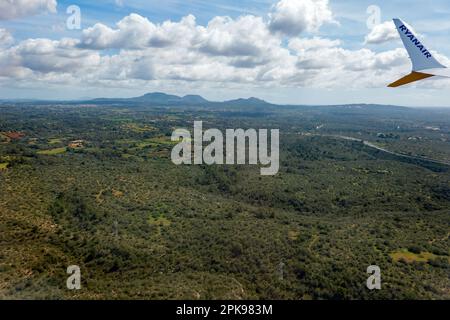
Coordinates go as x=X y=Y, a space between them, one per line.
x=52 y=152
x=141 y=227
x=410 y=257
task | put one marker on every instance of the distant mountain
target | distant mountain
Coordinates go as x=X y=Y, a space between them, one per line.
x=242 y=105
x=247 y=102
x=194 y=99
x=163 y=99
x=157 y=98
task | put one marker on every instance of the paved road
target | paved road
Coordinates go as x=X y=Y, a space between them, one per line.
x=374 y=146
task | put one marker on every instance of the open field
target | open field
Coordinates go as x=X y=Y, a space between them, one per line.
x=52 y=152
x=409 y=257
x=55 y=141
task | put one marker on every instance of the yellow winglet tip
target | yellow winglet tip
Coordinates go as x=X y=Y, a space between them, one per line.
x=412 y=77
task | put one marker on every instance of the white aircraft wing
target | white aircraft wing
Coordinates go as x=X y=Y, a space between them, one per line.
x=422 y=59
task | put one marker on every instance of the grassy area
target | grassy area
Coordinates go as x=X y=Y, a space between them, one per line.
x=52 y=152
x=3 y=138
x=54 y=141
x=160 y=221
x=410 y=257
x=163 y=141
x=293 y=235
x=3 y=166
x=157 y=142
x=139 y=128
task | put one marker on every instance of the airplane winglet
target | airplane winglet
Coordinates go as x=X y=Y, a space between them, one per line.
x=412 y=77
x=422 y=59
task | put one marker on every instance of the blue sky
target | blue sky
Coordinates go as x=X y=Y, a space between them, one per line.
x=271 y=76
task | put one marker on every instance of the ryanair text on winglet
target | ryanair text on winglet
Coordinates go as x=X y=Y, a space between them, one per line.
x=415 y=41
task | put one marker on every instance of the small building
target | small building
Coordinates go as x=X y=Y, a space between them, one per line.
x=77 y=144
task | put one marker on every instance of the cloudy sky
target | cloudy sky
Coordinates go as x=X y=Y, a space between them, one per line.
x=284 y=51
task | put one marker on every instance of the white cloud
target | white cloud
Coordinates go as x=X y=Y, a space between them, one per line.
x=246 y=36
x=332 y=66
x=226 y=37
x=292 y=17
x=12 y=9
x=6 y=39
x=301 y=44
x=224 y=53
x=383 y=32
x=137 y=32
x=37 y=58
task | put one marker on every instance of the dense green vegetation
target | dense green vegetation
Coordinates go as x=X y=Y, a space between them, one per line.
x=140 y=227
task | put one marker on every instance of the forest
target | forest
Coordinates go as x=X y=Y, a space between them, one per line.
x=93 y=185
